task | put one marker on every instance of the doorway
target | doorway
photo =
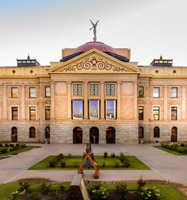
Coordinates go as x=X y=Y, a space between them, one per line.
x=110 y=135
x=14 y=134
x=77 y=135
x=94 y=135
x=174 y=134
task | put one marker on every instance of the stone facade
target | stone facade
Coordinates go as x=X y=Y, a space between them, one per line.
x=92 y=67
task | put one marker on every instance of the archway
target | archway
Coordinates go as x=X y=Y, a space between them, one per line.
x=141 y=132
x=94 y=135
x=174 y=134
x=77 y=135
x=47 y=132
x=32 y=132
x=14 y=134
x=156 y=132
x=110 y=135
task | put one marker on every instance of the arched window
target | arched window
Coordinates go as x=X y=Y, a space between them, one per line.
x=94 y=135
x=47 y=132
x=174 y=134
x=77 y=135
x=110 y=135
x=156 y=132
x=141 y=132
x=14 y=134
x=32 y=132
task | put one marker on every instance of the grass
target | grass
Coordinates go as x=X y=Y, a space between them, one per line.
x=27 y=148
x=72 y=163
x=167 y=192
x=170 y=151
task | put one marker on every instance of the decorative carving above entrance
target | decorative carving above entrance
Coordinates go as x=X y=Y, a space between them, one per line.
x=94 y=63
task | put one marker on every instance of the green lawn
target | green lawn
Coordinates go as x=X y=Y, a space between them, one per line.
x=73 y=163
x=167 y=192
x=170 y=151
x=27 y=148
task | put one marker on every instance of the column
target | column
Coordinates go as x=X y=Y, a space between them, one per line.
x=69 y=99
x=183 y=102
x=135 y=102
x=102 y=100
x=165 y=103
x=85 y=99
x=23 y=102
x=52 y=110
x=4 y=102
x=119 y=100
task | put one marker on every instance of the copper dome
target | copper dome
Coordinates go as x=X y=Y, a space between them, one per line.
x=97 y=45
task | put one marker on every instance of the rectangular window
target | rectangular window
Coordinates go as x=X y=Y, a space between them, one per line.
x=110 y=109
x=14 y=92
x=173 y=113
x=156 y=92
x=78 y=108
x=141 y=112
x=32 y=113
x=141 y=91
x=77 y=89
x=32 y=92
x=14 y=113
x=174 y=92
x=93 y=109
x=47 y=113
x=110 y=89
x=94 y=89
x=47 y=91
x=156 y=113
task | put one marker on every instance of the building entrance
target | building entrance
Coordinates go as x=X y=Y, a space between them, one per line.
x=174 y=134
x=94 y=135
x=14 y=134
x=110 y=135
x=77 y=135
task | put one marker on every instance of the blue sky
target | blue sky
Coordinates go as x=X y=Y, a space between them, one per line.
x=42 y=28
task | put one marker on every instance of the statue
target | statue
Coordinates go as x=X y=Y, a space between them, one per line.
x=94 y=29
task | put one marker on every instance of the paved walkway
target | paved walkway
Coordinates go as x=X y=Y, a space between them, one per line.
x=164 y=165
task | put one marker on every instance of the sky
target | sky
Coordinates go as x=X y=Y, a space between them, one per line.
x=41 y=28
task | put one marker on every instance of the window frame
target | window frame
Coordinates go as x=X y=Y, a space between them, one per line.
x=94 y=89
x=114 y=107
x=176 y=96
x=140 y=96
x=13 y=115
x=176 y=115
x=156 y=114
x=140 y=113
x=30 y=88
x=30 y=116
x=110 y=89
x=155 y=133
x=77 y=89
x=47 y=96
x=12 y=96
x=154 y=96
x=47 y=118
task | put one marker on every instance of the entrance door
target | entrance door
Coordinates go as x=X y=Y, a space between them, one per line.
x=77 y=135
x=14 y=134
x=47 y=132
x=174 y=134
x=94 y=135
x=110 y=135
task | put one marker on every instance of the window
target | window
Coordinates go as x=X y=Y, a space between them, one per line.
x=110 y=109
x=14 y=92
x=174 y=113
x=47 y=113
x=14 y=113
x=94 y=109
x=94 y=89
x=32 y=92
x=77 y=106
x=47 y=91
x=156 y=132
x=110 y=89
x=77 y=89
x=141 y=91
x=156 y=113
x=141 y=112
x=32 y=113
x=32 y=132
x=156 y=92
x=174 y=92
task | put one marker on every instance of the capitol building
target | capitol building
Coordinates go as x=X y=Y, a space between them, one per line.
x=93 y=94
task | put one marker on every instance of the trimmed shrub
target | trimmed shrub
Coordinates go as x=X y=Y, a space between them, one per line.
x=113 y=155
x=141 y=183
x=122 y=191
x=63 y=164
x=151 y=193
x=56 y=160
x=105 y=154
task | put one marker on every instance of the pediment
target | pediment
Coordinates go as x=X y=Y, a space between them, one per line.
x=93 y=61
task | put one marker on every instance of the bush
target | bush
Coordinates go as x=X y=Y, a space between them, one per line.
x=34 y=195
x=63 y=164
x=125 y=162
x=99 y=193
x=24 y=186
x=117 y=163
x=150 y=194
x=55 y=160
x=105 y=154
x=1 y=145
x=70 y=155
x=104 y=165
x=113 y=155
x=141 y=183
x=122 y=191
x=45 y=188
x=76 y=164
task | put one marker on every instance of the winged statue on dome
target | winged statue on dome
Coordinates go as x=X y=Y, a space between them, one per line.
x=94 y=26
